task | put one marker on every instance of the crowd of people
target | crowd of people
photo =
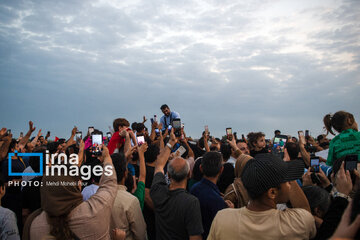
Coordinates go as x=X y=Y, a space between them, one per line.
x=165 y=185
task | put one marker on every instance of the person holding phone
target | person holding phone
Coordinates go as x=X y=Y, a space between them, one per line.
x=168 y=116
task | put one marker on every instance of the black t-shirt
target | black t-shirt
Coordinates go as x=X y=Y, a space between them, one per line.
x=149 y=176
x=31 y=195
x=226 y=178
x=253 y=153
x=149 y=215
x=177 y=212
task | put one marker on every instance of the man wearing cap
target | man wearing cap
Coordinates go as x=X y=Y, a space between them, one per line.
x=268 y=181
x=168 y=116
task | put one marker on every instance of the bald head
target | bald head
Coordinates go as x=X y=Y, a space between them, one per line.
x=178 y=169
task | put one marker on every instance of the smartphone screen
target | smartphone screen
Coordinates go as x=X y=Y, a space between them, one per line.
x=140 y=140
x=351 y=162
x=314 y=165
x=176 y=123
x=229 y=133
x=8 y=131
x=301 y=133
x=78 y=137
x=157 y=132
x=279 y=143
x=181 y=150
x=306 y=133
x=96 y=143
x=91 y=130
x=108 y=135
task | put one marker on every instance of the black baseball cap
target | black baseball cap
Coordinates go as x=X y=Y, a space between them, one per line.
x=266 y=171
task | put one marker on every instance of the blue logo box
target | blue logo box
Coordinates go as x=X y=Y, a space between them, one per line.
x=40 y=155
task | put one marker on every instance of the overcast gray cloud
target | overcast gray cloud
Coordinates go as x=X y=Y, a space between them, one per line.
x=255 y=65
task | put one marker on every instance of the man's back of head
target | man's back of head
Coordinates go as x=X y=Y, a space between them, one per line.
x=178 y=169
x=293 y=150
x=266 y=171
x=211 y=164
x=119 y=162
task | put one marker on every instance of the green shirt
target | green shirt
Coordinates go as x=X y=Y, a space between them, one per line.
x=346 y=143
x=140 y=193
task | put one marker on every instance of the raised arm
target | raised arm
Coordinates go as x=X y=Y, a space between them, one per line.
x=26 y=138
x=206 y=144
x=71 y=140
x=127 y=145
x=305 y=155
x=5 y=146
x=297 y=197
x=234 y=147
x=164 y=154
x=141 y=150
x=190 y=151
x=81 y=152
x=162 y=145
x=33 y=142
x=153 y=133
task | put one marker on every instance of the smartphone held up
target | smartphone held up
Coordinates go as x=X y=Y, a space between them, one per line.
x=229 y=134
x=97 y=141
x=176 y=124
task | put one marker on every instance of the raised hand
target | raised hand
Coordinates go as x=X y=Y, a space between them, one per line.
x=323 y=179
x=307 y=179
x=123 y=133
x=343 y=181
x=2 y=132
x=82 y=144
x=31 y=126
x=143 y=148
x=130 y=151
x=73 y=131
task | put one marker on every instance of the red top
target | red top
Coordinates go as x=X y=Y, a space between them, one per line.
x=116 y=141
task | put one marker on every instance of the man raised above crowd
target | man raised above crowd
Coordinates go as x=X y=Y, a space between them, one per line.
x=168 y=116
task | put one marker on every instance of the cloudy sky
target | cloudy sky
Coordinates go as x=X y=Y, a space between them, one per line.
x=251 y=65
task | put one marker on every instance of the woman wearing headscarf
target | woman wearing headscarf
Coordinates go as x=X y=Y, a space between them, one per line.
x=64 y=214
x=236 y=191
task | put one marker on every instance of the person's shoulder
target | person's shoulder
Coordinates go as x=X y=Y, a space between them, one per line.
x=300 y=214
x=227 y=212
x=6 y=213
x=196 y=187
x=188 y=198
x=176 y=114
x=159 y=176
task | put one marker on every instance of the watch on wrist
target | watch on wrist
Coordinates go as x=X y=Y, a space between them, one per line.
x=169 y=145
x=339 y=194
